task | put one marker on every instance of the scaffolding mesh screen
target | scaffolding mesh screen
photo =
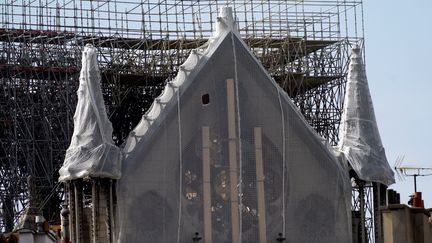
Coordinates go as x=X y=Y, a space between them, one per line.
x=233 y=169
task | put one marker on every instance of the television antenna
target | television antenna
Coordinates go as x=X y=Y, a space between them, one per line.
x=404 y=171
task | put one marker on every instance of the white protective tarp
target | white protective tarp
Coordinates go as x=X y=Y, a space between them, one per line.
x=92 y=152
x=360 y=140
x=225 y=153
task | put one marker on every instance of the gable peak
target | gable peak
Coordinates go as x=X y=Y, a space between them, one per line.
x=225 y=21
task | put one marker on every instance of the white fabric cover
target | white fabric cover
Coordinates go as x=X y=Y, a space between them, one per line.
x=160 y=195
x=92 y=152
x=360 y=140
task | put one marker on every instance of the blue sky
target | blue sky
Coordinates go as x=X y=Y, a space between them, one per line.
x=398 y=37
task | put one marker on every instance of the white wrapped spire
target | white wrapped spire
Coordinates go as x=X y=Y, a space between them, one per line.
x=360 y=140
x=92 y=152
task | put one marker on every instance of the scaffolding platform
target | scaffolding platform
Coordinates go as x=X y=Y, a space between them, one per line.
x=304 y=45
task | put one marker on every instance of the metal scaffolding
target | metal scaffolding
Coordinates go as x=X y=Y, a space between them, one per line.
x=304 y=44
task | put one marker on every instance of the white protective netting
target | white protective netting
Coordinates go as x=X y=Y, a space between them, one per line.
x=359 y=136
x=92 y=151
x=225 y=153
